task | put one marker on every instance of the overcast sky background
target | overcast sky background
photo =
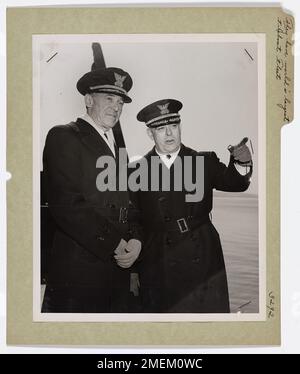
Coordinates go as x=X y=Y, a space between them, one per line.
x=217 y=83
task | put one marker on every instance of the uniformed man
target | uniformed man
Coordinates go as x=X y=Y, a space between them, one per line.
x=182 y=268
x=91 y=226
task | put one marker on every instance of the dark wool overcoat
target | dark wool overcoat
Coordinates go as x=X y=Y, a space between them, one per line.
x=82 y=273
x=181 y=265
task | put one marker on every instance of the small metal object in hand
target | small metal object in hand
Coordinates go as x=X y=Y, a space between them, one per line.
x=241 y=153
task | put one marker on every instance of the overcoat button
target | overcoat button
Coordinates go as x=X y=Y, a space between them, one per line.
x=100 y=238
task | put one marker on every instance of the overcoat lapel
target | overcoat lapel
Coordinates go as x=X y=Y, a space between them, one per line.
x=92 y=139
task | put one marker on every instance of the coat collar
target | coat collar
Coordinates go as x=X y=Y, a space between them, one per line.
x=92 y=138
x=184 y=151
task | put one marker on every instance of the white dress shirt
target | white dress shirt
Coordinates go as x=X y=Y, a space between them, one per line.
x=168 y=161
x=110 y=140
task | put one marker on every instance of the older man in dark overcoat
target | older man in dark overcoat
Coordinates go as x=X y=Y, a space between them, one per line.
x=91 y=222
x=181 y=266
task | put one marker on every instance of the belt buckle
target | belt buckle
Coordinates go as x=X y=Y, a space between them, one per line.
x=183 y=227
x=123 y=216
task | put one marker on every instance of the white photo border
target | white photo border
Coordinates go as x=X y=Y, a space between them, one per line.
x=258 y=38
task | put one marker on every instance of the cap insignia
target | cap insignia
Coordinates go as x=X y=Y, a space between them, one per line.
x=119 y=80
x=164 y=108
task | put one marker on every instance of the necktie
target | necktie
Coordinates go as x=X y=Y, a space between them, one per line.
x=111 y=143
x=168 y=157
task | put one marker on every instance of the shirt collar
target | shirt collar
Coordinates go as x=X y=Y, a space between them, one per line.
x=109 y=139
x=168 y=161
x=172 y=154
x=87 y=118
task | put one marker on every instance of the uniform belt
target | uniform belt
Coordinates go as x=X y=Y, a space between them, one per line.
x=181 y=225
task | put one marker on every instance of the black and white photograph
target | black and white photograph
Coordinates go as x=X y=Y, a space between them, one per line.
x=149 y=177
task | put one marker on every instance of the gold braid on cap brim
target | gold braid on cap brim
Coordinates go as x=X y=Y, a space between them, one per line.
x=163 y=122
